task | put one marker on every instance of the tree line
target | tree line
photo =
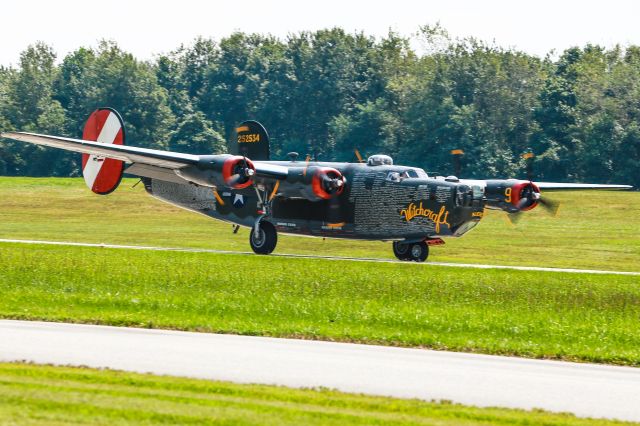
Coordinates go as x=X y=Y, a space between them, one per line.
x=327 y=93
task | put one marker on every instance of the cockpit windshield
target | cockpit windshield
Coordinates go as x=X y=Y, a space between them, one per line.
x=401 y=175
x=415 y=173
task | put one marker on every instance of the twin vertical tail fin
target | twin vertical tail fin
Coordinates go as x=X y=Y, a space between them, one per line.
x=253 y=141
x=103 y=175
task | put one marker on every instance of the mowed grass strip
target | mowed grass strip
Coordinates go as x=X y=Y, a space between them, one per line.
x=534 y=314
x=593 y=230
x=44 y=395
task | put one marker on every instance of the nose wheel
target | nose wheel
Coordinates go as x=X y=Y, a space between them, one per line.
x=263 y=238
x=416 y=252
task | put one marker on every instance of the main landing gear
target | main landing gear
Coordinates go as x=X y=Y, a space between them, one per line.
x=263 y=238
x=416 y=252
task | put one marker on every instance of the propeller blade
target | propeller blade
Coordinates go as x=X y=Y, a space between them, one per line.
x=234 y=179
x=332 y=185
x=550 y=206
x=306 y=164
x=515 y=217
x=524 y=202
x=358 y=156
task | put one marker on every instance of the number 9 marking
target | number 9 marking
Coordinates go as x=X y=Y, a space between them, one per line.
x=507 y=194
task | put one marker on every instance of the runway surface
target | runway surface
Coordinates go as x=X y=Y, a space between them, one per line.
x=483 y=380
x=310 y=256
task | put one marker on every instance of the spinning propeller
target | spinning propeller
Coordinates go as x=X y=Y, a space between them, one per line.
x=332 y=185
x=527 y=196
x=327 y=182
x=238 y=172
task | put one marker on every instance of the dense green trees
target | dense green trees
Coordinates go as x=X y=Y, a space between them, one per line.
x=328 y=92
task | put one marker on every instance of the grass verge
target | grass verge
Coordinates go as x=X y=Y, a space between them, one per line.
x=43 y=395
x=544 y=315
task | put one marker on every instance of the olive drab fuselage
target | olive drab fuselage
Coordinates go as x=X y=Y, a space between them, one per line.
x=383 y=202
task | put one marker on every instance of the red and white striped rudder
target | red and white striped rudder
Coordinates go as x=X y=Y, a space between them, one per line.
x=103 y=175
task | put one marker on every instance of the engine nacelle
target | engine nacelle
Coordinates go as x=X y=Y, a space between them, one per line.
x=314 y=183
x=512 y=195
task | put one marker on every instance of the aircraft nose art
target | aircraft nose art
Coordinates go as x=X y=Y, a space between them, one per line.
x=102 y=175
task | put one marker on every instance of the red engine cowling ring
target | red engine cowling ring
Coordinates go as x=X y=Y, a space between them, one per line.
x=228 y=170
x=516 y=194
x=317 y=182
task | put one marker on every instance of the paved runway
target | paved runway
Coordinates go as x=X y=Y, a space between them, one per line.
x=482 y=380
x=310 y=256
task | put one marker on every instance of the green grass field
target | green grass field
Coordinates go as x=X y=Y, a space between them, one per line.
x=545 y=315
x=593 y=229
x=40 y=395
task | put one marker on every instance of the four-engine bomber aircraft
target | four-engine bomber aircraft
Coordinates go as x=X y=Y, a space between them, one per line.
x=376 y=200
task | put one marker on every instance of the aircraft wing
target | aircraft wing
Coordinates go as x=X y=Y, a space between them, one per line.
x=555 y=186
x=128 y=154
x=150 y=157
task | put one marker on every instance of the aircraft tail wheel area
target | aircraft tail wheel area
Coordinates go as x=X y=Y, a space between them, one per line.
x=263 y=240
x=416 y=252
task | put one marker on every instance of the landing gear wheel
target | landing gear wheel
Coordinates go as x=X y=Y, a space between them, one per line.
x=264 y=241
x=401 y=250
x=419 y=252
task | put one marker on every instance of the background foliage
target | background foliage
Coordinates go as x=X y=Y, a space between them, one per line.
x=328 y=92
